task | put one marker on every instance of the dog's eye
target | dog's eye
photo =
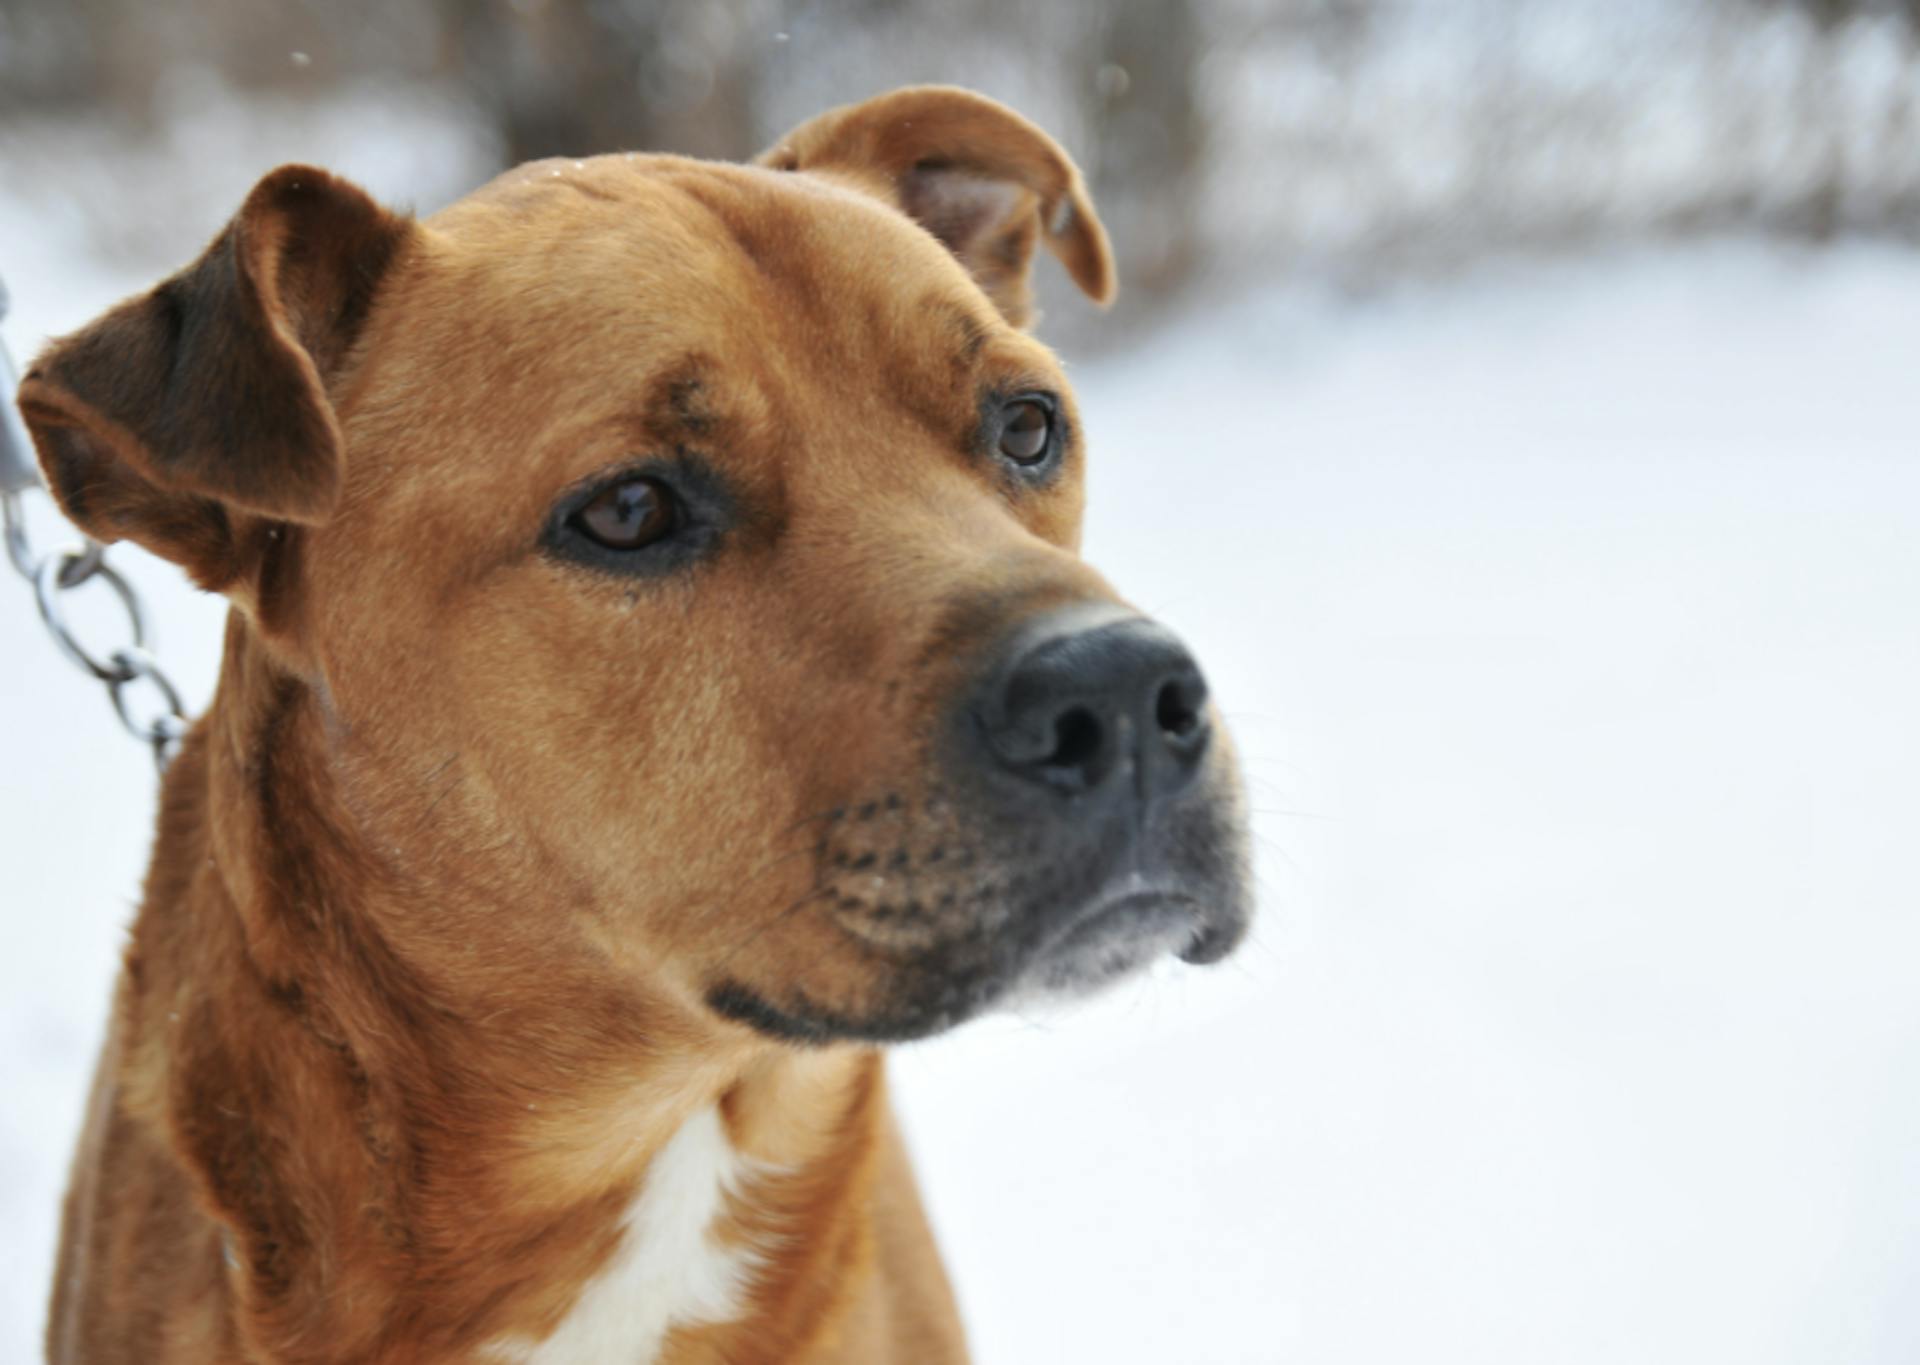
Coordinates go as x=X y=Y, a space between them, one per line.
x=1026 y=431
x=630 y=515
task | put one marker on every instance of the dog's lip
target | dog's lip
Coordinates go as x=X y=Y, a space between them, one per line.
x=1151 y=904
x=1210 y=943
x=1139 y=900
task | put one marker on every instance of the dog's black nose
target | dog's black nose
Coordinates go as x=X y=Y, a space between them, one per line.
x=1077 y=708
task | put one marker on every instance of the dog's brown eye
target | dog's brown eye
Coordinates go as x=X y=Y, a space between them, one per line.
x=630 y=515
x=1025 y=429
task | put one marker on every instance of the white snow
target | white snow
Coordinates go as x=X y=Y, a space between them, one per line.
x=1569 y=618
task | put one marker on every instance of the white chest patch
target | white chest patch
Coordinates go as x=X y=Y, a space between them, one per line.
x=668 y=1270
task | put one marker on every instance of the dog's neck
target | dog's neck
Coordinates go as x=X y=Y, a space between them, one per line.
x=422 y=1147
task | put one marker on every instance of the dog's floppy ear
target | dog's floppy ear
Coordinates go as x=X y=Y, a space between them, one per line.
x=203 y=403
x=972 y=172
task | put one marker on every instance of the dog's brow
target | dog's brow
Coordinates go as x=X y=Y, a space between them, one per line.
x=970 y=331
x=680 y=401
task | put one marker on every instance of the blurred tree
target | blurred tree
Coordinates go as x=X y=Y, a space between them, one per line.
x=1820 y=212
x=1149 y=150
x=49 y=56
x=1365 y=135
x=1830 y=14
x=577 y=77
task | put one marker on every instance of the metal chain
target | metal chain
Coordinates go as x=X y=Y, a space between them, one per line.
x=158 y=719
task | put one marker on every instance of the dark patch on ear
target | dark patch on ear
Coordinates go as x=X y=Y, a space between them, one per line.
x=196 y=388
x=112 y=502
x=337 y=250
x=206 y=398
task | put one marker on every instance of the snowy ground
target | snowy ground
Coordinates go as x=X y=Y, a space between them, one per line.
x=1570 y=621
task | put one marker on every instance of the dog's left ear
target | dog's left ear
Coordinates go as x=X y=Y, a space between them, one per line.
x=972 y=172
x=198 y=412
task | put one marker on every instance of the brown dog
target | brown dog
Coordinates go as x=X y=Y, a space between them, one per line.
x=661 y=671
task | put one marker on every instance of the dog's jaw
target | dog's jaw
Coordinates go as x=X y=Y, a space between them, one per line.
x=532 y=1183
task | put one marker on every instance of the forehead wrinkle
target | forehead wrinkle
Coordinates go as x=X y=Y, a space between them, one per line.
x=963 y=328
x=759 y=230
x=834 y=259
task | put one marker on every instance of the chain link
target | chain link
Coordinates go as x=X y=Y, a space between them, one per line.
x=127 y=671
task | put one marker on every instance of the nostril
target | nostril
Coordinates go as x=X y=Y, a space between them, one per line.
x=1072 y=709
x=1078 y=737
x=1177 y=709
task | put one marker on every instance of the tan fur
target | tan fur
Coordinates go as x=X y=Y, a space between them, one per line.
x=416 y=988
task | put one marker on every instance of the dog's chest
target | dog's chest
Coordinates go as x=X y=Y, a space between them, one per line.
x=669 y=1271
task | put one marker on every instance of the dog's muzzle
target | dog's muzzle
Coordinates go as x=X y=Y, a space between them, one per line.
x=1089 y=727
x=1078 y=820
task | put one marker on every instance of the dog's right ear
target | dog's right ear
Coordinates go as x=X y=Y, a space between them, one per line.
x=984 y=181
x=201 y=406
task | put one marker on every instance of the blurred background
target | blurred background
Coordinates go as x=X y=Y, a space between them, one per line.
x=1517 y=405
x=1361 y=140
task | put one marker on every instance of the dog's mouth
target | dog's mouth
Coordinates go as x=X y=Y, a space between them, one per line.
x=928 y=942
x=1118 y=934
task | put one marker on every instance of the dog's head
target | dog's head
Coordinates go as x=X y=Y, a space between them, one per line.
x=701 y=541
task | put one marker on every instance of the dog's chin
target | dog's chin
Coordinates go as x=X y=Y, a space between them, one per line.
x=1113 y=936
x=1118 y=936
